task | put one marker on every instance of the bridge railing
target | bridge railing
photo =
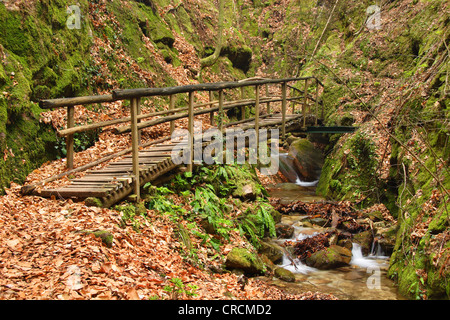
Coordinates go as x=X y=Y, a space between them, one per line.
x=218 y=106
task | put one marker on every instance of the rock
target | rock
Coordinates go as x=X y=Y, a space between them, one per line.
x=272 y=250
x=268 y=263
x=308 y=160
x=157 y=32
x=240 y=57
x=329 y=258
x=106 y=236
x=291 y=139
x=93 y=202
x=241 y=258
x=316 y=221
x=287 y=168
x=365 y=240
x=247 y=192
x=284 y=274
x=284 y=231
x=346 y=243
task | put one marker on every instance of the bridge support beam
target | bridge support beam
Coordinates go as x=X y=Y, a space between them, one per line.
x=257 y=115
x=283 y=109
x=134 y=106
x=305 y=101
x=69 y=138
x=191 y=132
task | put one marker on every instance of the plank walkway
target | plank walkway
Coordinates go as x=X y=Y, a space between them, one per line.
x=115 y=181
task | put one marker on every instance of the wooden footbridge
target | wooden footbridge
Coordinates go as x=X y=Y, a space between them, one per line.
x=146 y=162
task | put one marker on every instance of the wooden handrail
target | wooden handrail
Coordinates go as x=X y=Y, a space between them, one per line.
x=121 y=94
x=134 y=95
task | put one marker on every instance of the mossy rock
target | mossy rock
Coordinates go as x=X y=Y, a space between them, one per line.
x=330 y=258
x=365 y=239
x=93 y=202
x=284 y=274
x=241 y=258
x=241 y=57
x=272 y=250
x=307 y=160
x=106 y=236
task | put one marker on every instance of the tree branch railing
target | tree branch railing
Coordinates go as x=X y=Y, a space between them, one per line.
x=136 y=123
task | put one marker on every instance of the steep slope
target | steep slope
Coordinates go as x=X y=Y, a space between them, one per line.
x=392 y=83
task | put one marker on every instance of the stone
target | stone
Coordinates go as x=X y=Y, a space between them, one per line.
x=308 y=160
x=284 y=231
x=272 y=250
x=365 y=240
x=284 y=274
x=316 y=221
x=243 y=259
x=330 y=258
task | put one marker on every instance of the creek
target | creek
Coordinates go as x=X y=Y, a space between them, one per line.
x=365 y=278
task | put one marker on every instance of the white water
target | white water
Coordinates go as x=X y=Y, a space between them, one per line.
x=364 y=261
x=297 y=266
x=305 y=183
x=298 y=181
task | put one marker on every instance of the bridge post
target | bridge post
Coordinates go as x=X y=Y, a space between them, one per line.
x=283 y=109
x=267 y=95
x=221 y=114
x=305 y=100
x=257 y=115
x=191 y=132
x=69 y=138
x=317 y=101
x=243 y=107
x=134 y=105
x=211 y=114
x=171 y=107
x=293 y=100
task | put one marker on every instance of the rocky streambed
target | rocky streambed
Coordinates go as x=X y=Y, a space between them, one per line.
x=330 y=247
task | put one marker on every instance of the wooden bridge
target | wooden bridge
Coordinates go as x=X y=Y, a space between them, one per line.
x=146 y=162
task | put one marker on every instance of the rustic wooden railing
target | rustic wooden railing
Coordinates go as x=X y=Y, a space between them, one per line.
x=218 y=106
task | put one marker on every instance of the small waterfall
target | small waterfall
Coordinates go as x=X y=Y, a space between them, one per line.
x=359 y=260
x=289 y=171
x=297 y=266
x=306 y=183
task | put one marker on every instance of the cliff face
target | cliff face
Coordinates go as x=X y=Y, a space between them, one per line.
x=392 y=82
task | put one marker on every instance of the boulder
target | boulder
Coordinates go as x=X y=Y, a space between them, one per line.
x=284 y=231
x=365 y=240
x=329 y=258
x=308 y=160
x=316 y=221
x=241 y=258
x=287 y=168
x=272 y=250
x=284 y=274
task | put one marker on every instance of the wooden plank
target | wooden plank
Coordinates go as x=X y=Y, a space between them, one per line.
x=79 y=193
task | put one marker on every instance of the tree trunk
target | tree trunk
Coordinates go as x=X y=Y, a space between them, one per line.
x=210 y=60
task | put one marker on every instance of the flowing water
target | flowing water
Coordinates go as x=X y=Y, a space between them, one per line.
x=364 y=279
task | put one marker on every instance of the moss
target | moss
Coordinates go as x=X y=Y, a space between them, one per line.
x=93 y=202
x=106 y=236
x=241 y=258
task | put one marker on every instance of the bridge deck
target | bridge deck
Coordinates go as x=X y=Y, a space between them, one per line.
x=115 y=181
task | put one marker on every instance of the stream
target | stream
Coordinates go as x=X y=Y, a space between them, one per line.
x=365 y=278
